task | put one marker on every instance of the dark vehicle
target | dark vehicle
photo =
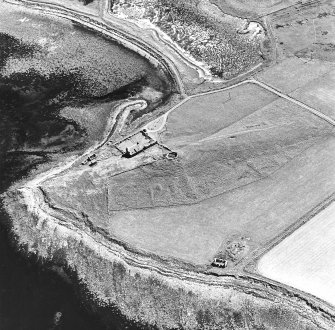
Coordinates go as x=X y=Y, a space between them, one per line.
x=90 y=159
x=93 y=163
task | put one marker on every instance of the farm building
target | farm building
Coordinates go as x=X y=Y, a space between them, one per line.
x=134 y=144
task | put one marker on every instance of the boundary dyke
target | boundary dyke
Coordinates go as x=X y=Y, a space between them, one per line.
x=40 y=217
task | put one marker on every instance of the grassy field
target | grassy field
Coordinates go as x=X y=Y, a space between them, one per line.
x=257 y=212
x=306 y=259
x=94 y=118
x=319 y=94
x=195 y=233
x=243 y=183
x=306 y=30
x=294 y=73
x=311 y=82
x=206 y=115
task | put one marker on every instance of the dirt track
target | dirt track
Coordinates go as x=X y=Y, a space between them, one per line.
x=247 y=81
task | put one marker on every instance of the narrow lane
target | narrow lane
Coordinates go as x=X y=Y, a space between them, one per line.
x=247 y=81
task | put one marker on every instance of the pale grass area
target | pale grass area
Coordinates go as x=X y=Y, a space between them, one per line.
x=294 y=73
x=319 y=94
x=306 y=259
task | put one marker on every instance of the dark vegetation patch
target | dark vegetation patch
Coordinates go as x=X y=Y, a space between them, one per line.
x=305 y=30
x=10 y=46
x=321 y=51
x=29 y=122
x=31 y=133
x=86 y=2
x=209 y=40
x=226 y=52
x=31 y=294
x=31 y=128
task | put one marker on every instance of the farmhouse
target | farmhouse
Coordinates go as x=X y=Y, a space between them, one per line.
x=135 y=144
x=219 y=262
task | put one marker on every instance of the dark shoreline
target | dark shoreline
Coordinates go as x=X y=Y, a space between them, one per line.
x=65 y=291
x=29 y=285
x=32 y=290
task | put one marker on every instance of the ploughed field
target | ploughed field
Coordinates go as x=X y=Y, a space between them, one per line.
x=306 y=259
x=248 y=166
